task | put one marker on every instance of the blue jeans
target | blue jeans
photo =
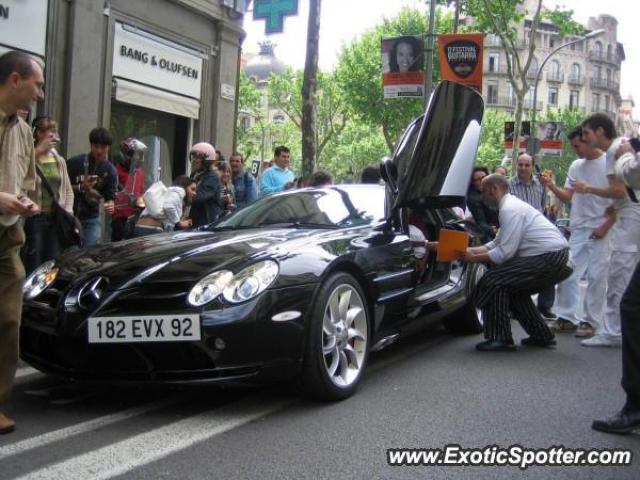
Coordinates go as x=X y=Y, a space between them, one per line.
x=92 y=231
x=41 y=243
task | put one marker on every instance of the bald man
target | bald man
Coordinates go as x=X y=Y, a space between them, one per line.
x=529 y=253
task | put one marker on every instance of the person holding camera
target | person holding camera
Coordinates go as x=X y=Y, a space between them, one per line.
x=94 y=179
x=206 y=206
x=40 y=246
x=227 y=191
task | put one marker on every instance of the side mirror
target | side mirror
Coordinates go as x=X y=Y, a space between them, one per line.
x=389 y=173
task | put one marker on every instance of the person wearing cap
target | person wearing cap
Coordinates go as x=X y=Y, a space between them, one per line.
x=94 y=179
x=206 y=206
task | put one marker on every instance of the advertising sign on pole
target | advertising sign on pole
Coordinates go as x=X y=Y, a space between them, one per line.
x=461 y=58
x=402 y=67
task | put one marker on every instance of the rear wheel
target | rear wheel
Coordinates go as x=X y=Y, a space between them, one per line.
x=468 y=319
x=337 y=339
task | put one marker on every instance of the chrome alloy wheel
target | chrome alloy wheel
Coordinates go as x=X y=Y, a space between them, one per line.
x=344 y=335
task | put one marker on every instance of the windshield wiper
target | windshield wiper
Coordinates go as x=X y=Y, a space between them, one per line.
x=297 y=225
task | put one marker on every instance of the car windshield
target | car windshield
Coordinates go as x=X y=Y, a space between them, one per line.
x=323 y=208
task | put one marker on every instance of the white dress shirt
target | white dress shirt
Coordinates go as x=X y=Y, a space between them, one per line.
x=524 y=232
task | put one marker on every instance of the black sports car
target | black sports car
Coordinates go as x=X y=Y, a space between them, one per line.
x=304 y=283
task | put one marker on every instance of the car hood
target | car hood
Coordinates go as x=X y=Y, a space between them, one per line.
x=186 y=255
x=435 y=157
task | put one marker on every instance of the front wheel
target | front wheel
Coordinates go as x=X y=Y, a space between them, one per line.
x=337 y=339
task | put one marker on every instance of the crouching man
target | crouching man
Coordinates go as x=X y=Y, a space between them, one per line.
x=528 y=254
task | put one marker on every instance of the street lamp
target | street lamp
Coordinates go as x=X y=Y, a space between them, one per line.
x=532 y=134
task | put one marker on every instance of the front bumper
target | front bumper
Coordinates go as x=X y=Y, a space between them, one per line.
x=239 y=344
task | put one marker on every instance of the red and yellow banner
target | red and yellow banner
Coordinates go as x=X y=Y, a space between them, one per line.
x=461 y=58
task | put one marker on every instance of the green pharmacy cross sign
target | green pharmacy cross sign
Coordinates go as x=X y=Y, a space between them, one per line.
x=274 y=11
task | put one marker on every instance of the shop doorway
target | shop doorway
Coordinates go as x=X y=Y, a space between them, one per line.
x=133 y=121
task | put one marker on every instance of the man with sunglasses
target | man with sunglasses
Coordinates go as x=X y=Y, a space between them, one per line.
x=206 y=206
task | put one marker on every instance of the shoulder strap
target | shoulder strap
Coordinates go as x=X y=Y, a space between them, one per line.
x=46 y=184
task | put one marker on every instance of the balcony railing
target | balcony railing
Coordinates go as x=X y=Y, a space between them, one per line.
x=575 y=79
x=555 y=77
x=598 y=56
x=498 y=101
x=605 y=84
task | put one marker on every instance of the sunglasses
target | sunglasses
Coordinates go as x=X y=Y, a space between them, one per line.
x=195 y=155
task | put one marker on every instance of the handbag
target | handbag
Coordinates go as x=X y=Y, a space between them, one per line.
x=68 y=227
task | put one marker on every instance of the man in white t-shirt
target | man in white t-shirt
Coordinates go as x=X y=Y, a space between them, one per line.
x=589 y=242
x=599 y=131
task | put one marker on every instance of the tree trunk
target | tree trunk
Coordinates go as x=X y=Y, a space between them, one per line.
x=309 y=90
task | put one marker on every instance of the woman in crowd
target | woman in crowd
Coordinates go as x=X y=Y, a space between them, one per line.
x=484 y=216
x=227 y=192
x=42 y=244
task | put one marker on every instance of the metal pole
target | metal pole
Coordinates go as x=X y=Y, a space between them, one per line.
x=428 y=78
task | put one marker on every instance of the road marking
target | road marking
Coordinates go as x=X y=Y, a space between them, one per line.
x=122 y=457
x=25 y=372
x=84 y=427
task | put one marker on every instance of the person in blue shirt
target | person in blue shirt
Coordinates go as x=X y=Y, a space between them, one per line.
x=278 y=177
x=244 y=184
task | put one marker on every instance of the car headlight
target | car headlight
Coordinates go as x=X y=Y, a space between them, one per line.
x=251 y=281
x=39 y=280
x=209 y=288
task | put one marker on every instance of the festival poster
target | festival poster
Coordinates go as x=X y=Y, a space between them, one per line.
x=461 y=58
x=402 y=67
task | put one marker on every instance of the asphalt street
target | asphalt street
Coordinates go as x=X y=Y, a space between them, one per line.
x=424 y=392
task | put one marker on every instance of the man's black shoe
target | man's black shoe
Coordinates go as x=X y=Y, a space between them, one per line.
x=622 y=422
x=547 y=314
x=538 y=342
x=496 y=346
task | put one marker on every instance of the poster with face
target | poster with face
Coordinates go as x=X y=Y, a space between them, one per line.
x=402 y=67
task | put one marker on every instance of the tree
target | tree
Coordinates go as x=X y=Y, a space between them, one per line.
x=502 y=17
x=309 y=89
x=491 y=148
x=359 y=74
x=285 y=94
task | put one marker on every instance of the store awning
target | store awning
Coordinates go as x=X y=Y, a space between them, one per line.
x=148 y=97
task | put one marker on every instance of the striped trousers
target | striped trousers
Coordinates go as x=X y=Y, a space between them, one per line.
x=508 y=288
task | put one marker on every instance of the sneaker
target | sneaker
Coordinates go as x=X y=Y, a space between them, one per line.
x=601 y=341
x=547 y=314
x=562 y=325
x=585 y=330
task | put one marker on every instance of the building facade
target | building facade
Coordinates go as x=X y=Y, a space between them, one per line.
x=161 y=68
x=584 y=76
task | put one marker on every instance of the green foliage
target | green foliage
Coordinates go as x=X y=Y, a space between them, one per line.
x=358 y=146
x=359 y=74
x=285 y=93
x=491 y=148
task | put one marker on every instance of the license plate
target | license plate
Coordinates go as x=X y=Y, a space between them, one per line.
x=144 y=328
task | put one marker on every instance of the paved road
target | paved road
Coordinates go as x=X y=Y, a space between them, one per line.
x=424 y=392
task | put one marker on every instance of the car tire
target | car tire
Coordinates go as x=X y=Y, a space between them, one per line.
x=468 y=319
x=337 y=346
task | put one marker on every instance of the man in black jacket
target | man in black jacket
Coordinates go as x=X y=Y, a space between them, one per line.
x=205 y=207
x=93 y=178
